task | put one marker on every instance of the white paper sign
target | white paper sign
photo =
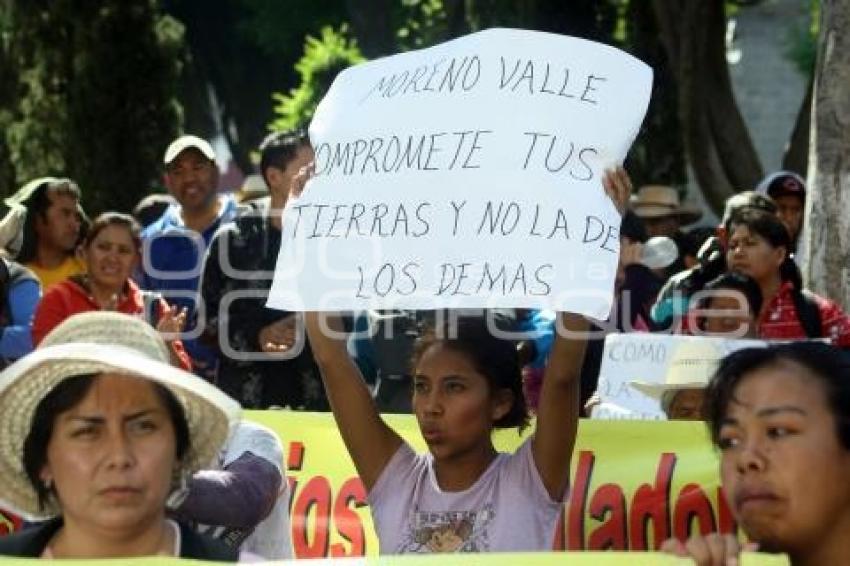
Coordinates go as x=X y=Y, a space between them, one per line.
x=466 y=174
x=646 y=357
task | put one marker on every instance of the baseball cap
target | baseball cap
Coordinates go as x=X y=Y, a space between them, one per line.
x=183 y=143
x=782 y=183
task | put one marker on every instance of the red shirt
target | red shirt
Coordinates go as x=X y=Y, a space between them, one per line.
x=779 y=320
x=69 y=297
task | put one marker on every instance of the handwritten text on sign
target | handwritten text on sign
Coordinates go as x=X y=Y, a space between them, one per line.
x=650 y=358
x=466 y=174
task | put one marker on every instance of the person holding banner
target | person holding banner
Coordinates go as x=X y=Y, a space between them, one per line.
x=463 y=496
x=780 y=417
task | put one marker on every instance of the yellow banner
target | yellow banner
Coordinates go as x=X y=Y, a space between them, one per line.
x=492 y=559
x=634 y=484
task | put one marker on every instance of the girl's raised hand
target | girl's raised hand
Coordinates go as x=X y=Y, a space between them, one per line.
x=618 y=186
x=299 y=180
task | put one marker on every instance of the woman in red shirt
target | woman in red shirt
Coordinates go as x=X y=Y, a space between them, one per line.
x=110 y=251
x=758 y=247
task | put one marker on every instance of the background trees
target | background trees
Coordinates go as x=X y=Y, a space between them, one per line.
x=96 y=89
x=88 y=91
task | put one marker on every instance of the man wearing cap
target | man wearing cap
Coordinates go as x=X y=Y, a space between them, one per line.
x=50 y=220
x=174 y=245
x=788 y=191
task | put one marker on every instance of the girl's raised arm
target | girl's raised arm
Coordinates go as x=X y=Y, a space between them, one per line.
x=558 y=409
x=370 y=442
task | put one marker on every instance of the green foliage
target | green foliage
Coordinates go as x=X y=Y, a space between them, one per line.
x=424 y=23
x=323 y=59
x=91 y=95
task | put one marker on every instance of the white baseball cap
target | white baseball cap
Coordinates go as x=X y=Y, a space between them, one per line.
x=183 y=143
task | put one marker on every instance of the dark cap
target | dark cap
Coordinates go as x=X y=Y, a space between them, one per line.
x=782 y=183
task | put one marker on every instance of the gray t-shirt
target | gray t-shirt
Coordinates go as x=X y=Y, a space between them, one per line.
x=507 y=509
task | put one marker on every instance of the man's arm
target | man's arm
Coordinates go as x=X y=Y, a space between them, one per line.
x=245 y=491
x=239 y=496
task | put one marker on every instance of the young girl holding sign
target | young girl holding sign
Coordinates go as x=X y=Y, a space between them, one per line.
x=463 y=495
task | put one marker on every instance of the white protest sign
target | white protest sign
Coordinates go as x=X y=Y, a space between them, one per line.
x=648 y=358
x=466 y=174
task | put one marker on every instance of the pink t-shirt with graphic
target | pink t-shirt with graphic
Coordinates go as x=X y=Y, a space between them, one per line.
x=507 y=510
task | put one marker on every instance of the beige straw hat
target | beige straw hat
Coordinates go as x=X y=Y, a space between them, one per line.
x=691 y=367
x=91 y=343
x=658 y=201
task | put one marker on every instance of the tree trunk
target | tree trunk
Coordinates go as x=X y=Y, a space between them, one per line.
x=826 y=231
x=717 y=142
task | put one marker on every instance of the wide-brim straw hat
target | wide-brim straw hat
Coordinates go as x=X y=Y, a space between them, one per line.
x=691 y=367
x=659 y=201
x=76 y=347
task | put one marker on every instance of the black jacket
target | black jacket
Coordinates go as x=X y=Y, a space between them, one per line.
x=31 y=542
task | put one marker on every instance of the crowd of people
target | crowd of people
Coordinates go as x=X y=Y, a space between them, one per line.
x=132 y=340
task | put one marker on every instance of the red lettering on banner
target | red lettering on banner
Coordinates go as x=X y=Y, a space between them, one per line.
x=693 y=505
x=578 y=499
x=347 y=521
x=612 y=535
x=626 y=527
x=293 y=485
x=652 y=505
x=314 y=498
x=295 y=458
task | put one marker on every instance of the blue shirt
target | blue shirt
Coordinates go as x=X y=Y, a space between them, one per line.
x=172 y=259
x=16 y=338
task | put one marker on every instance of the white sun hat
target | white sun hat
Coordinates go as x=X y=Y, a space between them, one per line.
x=92 y=343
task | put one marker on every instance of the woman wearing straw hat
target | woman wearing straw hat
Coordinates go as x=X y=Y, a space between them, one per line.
x=96 y=437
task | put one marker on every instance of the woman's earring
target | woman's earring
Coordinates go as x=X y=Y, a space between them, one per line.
x=48 y=483
x=180 y=493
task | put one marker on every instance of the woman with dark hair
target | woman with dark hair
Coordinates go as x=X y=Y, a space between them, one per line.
x=111 y=250
x=729 y=307
x=780 y=417
x=463 y=495
x=96 y=437
x=759 y=246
